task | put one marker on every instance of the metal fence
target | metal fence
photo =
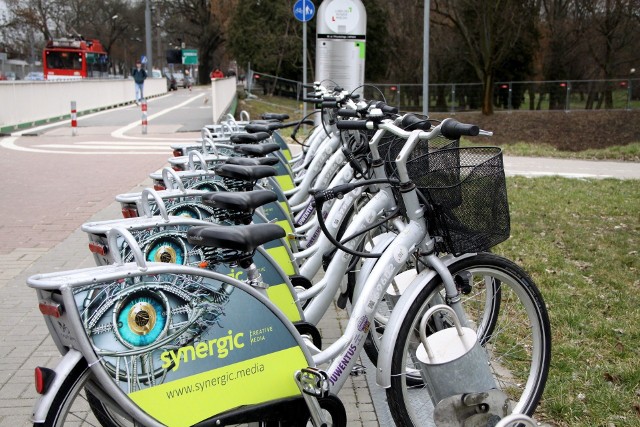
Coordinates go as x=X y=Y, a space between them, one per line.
x=564 y=95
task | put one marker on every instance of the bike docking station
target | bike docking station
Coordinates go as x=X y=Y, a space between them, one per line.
x=456 y=371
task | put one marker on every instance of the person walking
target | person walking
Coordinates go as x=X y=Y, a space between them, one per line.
x=139 y=76
x=216 y=74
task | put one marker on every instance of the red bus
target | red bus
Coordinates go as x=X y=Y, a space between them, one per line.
x=74 y=59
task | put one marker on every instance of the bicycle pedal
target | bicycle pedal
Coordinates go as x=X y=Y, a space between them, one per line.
x=358 y=370
x=313 y=382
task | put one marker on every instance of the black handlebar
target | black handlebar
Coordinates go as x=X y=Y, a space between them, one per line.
x=387 y=109
x=347 y=112
x=411 y=122
x=453 y=129
x=352 y=124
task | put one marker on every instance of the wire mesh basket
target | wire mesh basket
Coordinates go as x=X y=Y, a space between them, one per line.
x=466 y=190
x=389 y=148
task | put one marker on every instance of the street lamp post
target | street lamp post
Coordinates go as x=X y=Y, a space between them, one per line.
x=147 y=26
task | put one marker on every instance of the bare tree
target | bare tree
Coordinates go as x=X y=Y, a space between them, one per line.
x=489 y=29
x=609 y=29
x=195 y=23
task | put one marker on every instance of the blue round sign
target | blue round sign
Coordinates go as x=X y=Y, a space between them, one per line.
x=304 y=10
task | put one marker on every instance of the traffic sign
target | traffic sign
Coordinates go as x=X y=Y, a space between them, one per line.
x=190 y=56
x=304 y=10
x=143 y=59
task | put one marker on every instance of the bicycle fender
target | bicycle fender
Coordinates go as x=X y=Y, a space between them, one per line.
x=398 y=315
x=316 y=166
x=69 y=362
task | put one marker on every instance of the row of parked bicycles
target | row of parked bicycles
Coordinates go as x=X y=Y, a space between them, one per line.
x=204 y=303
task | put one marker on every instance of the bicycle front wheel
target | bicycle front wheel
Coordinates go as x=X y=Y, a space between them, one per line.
x=507 y=312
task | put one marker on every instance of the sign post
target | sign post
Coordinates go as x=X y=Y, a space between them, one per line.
x=303 y=10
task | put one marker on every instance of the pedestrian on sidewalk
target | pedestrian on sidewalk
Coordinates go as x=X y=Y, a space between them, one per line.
x=139 y=76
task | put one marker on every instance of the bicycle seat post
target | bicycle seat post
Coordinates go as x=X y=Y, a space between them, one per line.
x=254 y=278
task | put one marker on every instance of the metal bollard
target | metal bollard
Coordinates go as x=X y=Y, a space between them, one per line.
x=74 y=119
x=144 y=116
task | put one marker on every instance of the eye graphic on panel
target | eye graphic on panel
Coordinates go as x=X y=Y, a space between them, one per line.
x=134 y=324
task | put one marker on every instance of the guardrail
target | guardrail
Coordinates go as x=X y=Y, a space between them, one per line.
x=25 y=104
x=563 y=95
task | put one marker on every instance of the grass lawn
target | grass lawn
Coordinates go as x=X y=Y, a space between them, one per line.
x=580 y=241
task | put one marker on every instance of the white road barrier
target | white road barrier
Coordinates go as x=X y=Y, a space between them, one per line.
x=32 y=102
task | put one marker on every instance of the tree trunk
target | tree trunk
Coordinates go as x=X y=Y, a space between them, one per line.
x=487 y=94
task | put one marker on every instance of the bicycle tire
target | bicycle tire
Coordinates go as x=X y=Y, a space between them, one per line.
x=522 y=377
x=75 y=402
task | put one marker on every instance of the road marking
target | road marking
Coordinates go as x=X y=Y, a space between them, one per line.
x=10 y=144
x=88 y=116
x=119 y=133
x=164 y=148
x=133 y=144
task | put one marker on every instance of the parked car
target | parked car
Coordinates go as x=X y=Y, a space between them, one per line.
x=11 y=75
x=35 y=76
x=171 y=82
x=156 y=74
x=180 y=81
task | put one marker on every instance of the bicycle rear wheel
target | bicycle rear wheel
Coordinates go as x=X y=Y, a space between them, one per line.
x=76 y=404
x=508 y=314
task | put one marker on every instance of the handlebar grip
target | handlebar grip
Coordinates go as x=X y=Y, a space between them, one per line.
x=352 y=125
x=387 y=109
x=312 y=100
x=329 y=104
x=453 y=129
x=275 y=116
x=347 y=112
x=308 y=86
x=412 y=122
